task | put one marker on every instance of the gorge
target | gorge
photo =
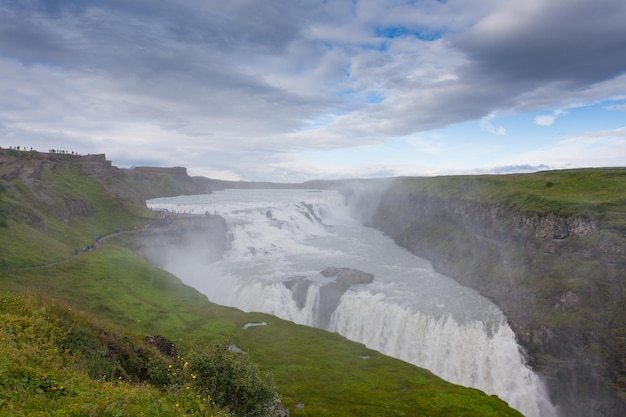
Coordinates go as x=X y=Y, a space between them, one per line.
x=299 y=255
x=546 y=248
x=556 y=272
x=553 y=264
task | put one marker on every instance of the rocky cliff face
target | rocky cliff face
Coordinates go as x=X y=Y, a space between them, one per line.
x=559 y=279
x=153 y=182
x=28 y=172
x=30 y=165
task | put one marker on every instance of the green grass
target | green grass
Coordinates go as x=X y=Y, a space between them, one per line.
x=111 y=211
x=322 y=370
x=42 y=229
x=58 y=362
x=597 y=194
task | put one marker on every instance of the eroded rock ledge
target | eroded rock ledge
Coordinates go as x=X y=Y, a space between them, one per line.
x=330 y=293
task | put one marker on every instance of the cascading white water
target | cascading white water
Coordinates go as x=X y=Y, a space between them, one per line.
x=282 y=239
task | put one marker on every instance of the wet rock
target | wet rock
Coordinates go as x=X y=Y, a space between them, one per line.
x=331 y=293
x=348 y=276
x=299 y=287
x=163 y=345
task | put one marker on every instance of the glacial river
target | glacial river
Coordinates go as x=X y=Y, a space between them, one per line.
x=409 y=311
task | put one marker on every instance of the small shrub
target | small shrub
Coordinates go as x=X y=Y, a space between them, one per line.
x=233 y=381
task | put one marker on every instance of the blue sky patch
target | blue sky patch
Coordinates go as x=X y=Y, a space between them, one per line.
x=392 y=32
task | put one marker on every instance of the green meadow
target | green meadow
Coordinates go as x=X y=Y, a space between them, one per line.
x=75 y=328
x=594 y=193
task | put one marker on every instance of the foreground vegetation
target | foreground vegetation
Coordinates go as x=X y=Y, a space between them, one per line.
x=57 y=361
x=74 y=328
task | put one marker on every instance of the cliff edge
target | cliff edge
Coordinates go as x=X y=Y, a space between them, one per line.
x=549 y=249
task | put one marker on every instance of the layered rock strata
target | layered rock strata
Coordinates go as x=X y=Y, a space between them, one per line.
x=559 y=279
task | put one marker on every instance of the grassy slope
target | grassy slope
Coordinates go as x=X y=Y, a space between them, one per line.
x=26 y=205
x=597 y=194
x=57 y=361
x=321 y=370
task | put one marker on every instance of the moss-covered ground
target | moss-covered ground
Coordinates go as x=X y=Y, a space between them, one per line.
x=594 y=193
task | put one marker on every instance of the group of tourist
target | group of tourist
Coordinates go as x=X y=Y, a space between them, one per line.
x=96 y=244
x=18 y=148
x=55 y=151
x=62 y=152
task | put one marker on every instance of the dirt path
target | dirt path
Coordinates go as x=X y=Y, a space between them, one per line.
x=61 y=261
x=173 y=217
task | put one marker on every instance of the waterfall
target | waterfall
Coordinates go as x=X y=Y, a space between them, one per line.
x=473 y=354
x=282 y=239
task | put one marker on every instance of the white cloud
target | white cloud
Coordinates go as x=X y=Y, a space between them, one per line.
x=545 y=120
x=237 y=88
x=487 y=126
x=617 y=107
x=210 y=173
x=592 y=149
x=548 y=120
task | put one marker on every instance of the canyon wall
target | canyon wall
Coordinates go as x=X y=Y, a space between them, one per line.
x=559 y=279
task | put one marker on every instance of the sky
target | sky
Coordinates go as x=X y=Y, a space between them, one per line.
x=294 y=90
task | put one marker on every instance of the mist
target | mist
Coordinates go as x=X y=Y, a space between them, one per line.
x=304 y=256
x=184 y=239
